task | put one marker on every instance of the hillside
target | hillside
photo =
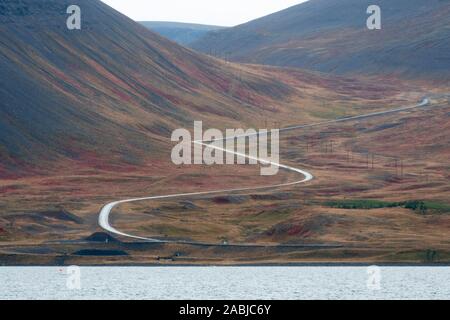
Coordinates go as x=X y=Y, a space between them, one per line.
x=182 y=33
x=86 y=118
x=331 y=36
x=113 y=91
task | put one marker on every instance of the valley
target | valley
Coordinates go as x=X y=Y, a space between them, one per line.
x=86 y=119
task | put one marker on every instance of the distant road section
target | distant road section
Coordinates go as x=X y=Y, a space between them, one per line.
x=306 y=176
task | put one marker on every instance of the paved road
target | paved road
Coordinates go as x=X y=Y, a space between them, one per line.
x=306 y=176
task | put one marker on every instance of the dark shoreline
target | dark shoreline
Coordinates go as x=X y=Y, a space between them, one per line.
x=262 y=265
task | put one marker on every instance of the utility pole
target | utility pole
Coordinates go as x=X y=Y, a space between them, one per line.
x=401 y=166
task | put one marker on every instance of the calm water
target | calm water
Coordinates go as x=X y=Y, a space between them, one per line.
x=225 y=283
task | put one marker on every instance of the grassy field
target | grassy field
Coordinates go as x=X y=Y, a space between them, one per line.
x=416 y=205
x=392 y=207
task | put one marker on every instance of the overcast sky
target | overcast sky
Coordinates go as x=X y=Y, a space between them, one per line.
x=215 y=12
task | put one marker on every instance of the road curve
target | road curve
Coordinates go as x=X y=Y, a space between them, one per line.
x=105 y=212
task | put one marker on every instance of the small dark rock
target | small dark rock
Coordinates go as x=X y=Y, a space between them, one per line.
x=187 y=205
x=102 y=237
x=272 y=197
x=100 y=253
x=231 y=199
x=61 y=215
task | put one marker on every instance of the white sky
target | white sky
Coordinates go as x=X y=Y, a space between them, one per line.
x=215 y=12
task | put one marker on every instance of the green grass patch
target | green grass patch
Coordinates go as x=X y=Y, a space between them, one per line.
x=422 y=256
x=269 y=216
x=434 y=206
x=328 y=112
x=420 y=206
x=264 y=218
x=361 y=204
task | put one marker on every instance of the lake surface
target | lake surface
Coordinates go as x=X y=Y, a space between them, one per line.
x=211 y=283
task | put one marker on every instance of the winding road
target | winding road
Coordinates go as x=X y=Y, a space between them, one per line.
x=306 y=176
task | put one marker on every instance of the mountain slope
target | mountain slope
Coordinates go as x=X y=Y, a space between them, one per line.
x=113 y=91
x=331 y=36
x=182 y=33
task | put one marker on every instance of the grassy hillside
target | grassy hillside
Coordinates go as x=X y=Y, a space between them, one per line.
x=113 y=91
x=86 y=118
x=331 y=36
x=109 y=91
x=182 y=33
